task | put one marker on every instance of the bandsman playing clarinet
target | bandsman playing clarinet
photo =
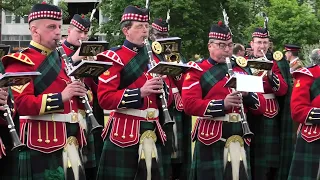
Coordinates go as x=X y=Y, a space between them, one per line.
x=133 y=137
x=181 y=155
x=51 y=115
x=220 y=151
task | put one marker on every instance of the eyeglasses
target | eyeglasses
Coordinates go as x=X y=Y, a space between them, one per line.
x=265 y=43
x=223 y=45
x=141 y=26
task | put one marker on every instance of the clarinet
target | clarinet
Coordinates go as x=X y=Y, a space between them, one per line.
x=245 y=126
x=17 y=144
x=84 y=99
x=164 y=106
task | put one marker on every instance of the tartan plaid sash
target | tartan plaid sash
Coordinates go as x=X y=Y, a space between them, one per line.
x=134 y=69
x=214 y=75
x=49 y=69
x=315 y=90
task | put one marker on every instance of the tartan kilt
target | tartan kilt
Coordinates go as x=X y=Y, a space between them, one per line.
x=34 y=165
x=208 y=160
x=122 y=163
x=89 y=150
x=265 y=144
x=306 y=160
x=183 y=159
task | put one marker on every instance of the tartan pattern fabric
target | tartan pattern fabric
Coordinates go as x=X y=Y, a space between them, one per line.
x=89 y=149
x=45 y=14
x=286 y=123
x=122 y=163
x=306 y=160
x=265 y=145
x=184 y=158
x=49 y=70
x=208 y=160
x=134 y=69
x=33 y=165
x=315 y=90
x=211 y=77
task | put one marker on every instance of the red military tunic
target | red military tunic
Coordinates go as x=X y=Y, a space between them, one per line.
x=276 y=86
x=44 y=136
x=124 y=124
x=305 y=109
x=212 y=104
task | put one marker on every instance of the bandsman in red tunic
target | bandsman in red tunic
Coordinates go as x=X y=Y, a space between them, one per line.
x=305 y=109
x=51 y=115
x=220 y=151
x=133 y=137
x=272 y=145
x=78 y=32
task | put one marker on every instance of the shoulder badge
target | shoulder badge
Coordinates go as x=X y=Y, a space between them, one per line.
x=303 y=71
x=156 y=47
x=278 y=55
x=19 y=56
x=194 y=65
x=112 y=56
x=241 y=61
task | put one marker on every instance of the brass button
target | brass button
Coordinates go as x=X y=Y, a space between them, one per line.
x=125 y=95
x=150 y=102
x=47 y=141
x=55 y=140
x=131 y=136
x=310 y=117
x=115 y=134
x=49 y=99
x=39 y=140
x=49 y=108
x=211 y=104
x=123 y=137
x=208 y=111
x=312 y=112
x=123 y=102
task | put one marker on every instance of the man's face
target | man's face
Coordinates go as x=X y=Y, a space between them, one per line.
x=241 y=52
x=47 y=32
x=219 y=50
x=258 y=45
x=75 y=35
x=137 y=32
x=288 y=55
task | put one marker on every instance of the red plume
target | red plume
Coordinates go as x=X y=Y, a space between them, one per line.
x=43 y=2
x=160 y=19
x=220 y=23
x=82 y=16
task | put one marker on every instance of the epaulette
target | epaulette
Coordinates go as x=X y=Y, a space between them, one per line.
x=303 y=71
x=19 y=56
x=194 y=65
x=112 y=55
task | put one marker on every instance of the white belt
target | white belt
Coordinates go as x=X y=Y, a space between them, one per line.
x=67 y=118
x=175 y=90
x=149 y=113
x=269 y=96
x=230 y=117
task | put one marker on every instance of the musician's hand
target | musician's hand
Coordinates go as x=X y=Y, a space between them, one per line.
x=232 y=99
x=75 y=88
x=76 y=56
x=3 y=97
x=152 y=86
